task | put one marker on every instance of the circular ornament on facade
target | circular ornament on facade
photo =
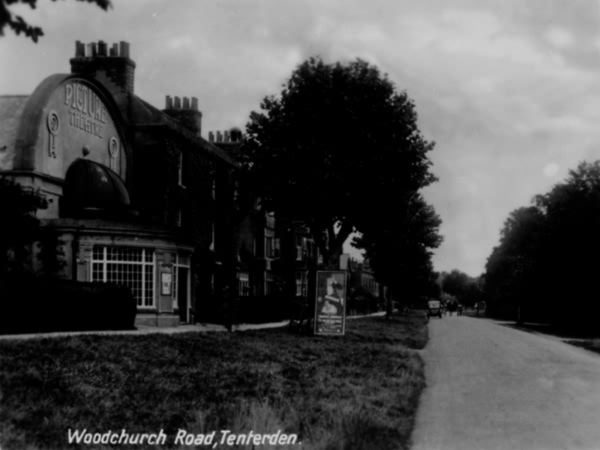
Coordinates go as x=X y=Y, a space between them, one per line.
x=113 y=147
x=53 y=122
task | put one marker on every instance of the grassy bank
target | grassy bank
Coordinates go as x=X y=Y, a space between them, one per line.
x=356 y=392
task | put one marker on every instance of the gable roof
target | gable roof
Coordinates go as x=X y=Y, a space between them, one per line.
x=144 y=116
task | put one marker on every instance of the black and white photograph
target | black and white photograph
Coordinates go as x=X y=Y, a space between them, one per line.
x=299 y=224
x=330 y=308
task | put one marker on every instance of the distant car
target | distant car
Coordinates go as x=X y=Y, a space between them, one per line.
x=434 y=308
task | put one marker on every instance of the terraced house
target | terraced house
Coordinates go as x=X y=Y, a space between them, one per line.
x=276 y=257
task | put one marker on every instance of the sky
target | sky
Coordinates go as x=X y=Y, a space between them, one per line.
x=509 y=90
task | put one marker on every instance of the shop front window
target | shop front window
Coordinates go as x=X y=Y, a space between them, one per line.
x=129 y=266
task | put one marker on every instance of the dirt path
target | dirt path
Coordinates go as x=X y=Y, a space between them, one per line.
x=494 y=387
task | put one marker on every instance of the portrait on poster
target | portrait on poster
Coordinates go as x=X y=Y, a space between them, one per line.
x=330 y=307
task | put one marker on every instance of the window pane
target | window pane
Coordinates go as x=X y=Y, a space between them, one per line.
x=125 y=266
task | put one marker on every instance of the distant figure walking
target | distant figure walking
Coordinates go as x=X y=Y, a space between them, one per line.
x=452 y=306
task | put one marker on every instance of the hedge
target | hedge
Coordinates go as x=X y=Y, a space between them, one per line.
x=34 y=305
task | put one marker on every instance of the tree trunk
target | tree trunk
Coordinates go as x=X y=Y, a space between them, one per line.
x=334 y=245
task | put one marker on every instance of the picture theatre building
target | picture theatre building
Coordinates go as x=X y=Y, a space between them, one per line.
x=132 y=188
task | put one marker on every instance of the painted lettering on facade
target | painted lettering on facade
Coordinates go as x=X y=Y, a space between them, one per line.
x=88 y=112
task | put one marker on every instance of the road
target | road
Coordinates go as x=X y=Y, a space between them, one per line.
x=492 y=387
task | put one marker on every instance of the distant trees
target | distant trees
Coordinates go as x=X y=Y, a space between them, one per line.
x=19 y=25
x=456 y=283
x=460 y=285
x=544 y=265
x=340 y=149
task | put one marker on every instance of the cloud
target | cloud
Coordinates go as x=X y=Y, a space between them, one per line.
x=559 y=37
x=508 y=90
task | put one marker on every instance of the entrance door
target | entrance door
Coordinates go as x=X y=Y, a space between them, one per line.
x=182 y=293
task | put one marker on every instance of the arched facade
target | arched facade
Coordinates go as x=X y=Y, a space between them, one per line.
x=70 y=141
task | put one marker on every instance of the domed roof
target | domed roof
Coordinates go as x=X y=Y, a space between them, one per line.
x=90 y=185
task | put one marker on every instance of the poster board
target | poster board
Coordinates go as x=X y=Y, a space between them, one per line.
x=330 y=305
x=166 y=282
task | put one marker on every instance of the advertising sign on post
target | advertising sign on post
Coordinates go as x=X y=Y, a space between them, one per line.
x=330 y=307
x=166 y=280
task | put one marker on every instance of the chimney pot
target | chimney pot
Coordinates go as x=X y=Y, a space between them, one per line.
x=186 y=103
x=101 y=48
x=226 y=136
x=211 y=136
x=177 y=104
x=219 y=136
x=194 y=103
x=90 y=50
x=114 y=51
x=235 y=134
x=169 y=103
x=79 y=49
x=124 y=49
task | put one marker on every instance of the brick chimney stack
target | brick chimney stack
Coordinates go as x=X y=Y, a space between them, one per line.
x=185 y=111
x=111 y=66
x=232 y=136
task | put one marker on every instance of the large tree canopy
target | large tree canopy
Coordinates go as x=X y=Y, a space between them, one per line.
x=19 y=25
x=338 y=148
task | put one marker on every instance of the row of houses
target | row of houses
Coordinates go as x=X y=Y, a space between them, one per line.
x=139 y=197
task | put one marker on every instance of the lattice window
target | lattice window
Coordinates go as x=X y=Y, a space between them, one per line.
x=301 y=284
x=243 y=283
x=129 y=266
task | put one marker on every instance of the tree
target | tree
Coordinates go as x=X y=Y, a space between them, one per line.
x=399 y=248
x=19 y=227
x=456 y=283
x=569 y=247
x=473 y=296
x=19 y=25
x=511 y=269
x=338 y=149
x=51 y=251
x=461 y=286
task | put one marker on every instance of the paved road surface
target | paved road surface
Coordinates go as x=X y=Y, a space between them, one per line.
x=493 y=387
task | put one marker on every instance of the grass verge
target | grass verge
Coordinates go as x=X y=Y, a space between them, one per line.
x=359 y=391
